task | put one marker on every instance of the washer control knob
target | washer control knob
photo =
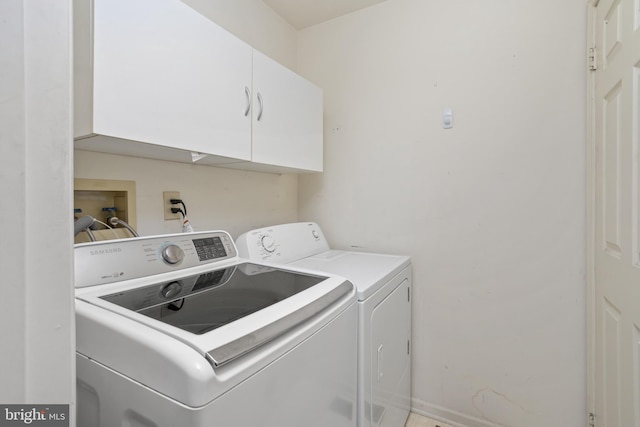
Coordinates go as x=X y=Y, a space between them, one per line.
x=172 y=254
x=172 y=289
x=268 y=244
x=315 y=234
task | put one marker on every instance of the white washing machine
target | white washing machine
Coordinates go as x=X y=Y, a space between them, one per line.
x=177 y=330
x=383 y=284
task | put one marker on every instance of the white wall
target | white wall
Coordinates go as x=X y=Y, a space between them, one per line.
x=491 y=211
x=217 y=198
x=36 y=321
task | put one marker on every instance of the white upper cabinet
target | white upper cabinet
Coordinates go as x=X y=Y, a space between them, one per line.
x=156 y=79
x=287 y=117
x=162 y=74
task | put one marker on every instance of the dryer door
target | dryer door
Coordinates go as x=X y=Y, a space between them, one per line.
x=390 y=355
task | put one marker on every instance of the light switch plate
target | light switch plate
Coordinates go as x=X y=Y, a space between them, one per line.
x=447 y=118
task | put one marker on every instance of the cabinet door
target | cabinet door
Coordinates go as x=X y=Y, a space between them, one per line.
x=166 y=75
x=287 y=117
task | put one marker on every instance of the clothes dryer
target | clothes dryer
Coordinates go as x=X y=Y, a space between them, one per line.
x=383 y=287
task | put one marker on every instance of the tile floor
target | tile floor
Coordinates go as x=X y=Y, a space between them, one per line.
x=416 y=420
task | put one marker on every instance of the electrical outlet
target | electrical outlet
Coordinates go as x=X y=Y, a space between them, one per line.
x=168 y=195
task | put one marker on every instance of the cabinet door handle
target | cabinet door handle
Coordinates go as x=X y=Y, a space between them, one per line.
x=261 y=107
x=247 y=92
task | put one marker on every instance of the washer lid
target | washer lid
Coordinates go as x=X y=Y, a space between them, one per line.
x=367 y=271
x=225 y=313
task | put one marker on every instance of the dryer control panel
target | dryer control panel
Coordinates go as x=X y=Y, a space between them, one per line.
x=110 y=261
x=282 y=243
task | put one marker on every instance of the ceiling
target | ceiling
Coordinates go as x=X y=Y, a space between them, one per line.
x=305 y=13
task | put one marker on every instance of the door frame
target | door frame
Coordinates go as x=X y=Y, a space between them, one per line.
x=590 y=209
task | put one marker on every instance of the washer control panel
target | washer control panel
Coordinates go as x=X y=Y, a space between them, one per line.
x=282 y=243
x=111 y=261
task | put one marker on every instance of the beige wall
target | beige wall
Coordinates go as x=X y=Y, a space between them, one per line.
x=491 y=211
x=217 y=198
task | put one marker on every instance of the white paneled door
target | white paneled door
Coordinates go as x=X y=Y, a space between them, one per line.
x=615 y=376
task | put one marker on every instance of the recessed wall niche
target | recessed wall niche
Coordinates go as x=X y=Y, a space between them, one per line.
x=93 y=196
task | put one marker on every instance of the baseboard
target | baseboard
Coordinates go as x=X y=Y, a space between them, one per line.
x=448 y=416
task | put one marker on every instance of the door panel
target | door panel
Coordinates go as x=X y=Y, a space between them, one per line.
x=636 y=160
x=611 y=361
x=616 y=275
x=611 y=170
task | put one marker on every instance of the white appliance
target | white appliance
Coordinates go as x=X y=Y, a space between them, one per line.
x=383 y=284
x=177 y=330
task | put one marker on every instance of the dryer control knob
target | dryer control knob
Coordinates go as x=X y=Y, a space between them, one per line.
x=172 y=254
x=268 y=244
